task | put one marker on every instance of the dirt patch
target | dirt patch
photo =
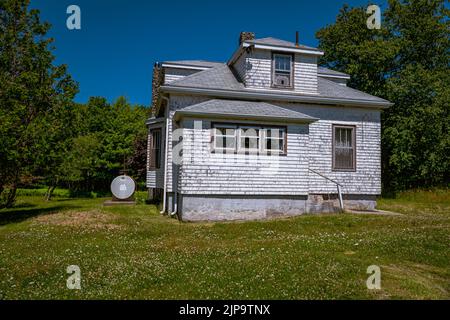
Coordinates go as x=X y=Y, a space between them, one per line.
x=86 y=219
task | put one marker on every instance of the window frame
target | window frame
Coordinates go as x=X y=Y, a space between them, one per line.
x=273 y=71
x=282 y=151
x=155 y=162
x=214 y=137
x=261 y=138
x=333 y=143
x=239 y=148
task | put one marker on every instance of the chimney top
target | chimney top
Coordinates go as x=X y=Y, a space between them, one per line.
x=297 y=44
x=244 y=36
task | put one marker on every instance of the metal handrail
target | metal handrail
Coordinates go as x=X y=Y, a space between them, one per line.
x=341 y=202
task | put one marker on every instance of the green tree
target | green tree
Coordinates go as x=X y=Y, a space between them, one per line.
x=116 y=137
x=32 y=89
x=407 y=62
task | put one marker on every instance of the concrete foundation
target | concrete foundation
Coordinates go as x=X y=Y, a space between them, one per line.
x=233 y=207
x=221 y=208
x=329 y=203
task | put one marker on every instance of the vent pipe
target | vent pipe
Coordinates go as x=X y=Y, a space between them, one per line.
x=297 y=44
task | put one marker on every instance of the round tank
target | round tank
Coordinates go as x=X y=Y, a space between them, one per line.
x=123 y=187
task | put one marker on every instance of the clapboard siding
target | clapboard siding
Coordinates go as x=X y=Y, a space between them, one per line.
x=367 y=177
x=255 y=71
x=173 y=74
x=176 y=102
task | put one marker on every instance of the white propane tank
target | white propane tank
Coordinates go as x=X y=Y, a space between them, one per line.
x=123 y=187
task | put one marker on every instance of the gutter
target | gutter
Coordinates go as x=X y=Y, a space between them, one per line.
x=283 y=48
x=184 y=66
x=223 y=93
x=326 y=75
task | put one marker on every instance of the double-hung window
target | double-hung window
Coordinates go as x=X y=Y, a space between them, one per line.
x=274 y=140
x=249 y=139
x=155 y=149
x=235 y=138
x=282 y=70
x=344 y=148
x=225 y=137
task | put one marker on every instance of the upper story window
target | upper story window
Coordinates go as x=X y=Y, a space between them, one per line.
x=282 y=70
x=344 y=150
x=232 y=138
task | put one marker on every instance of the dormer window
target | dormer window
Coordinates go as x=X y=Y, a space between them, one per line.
x=282 y=70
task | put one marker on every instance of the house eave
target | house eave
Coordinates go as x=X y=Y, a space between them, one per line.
x=188 y=67
x=212 y=115
x=269 y=96
x=283 y=49
x=325 y=75
x=153 y=121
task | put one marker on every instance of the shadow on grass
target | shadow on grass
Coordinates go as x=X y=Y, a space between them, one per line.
x=18 y=214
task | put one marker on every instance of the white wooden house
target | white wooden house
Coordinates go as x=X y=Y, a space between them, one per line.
x=268 y=133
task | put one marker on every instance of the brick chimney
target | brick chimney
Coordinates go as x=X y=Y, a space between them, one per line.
x=244 y=36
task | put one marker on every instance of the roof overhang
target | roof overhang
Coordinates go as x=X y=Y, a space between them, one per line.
x=154 y=121
x=252 y=95
x=326 y=75
x=246 y=46
x=283 y=49
x=184 y=66
x=213 y=115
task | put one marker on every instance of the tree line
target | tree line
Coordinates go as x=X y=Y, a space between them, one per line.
x=46 y=138
x=406 y=62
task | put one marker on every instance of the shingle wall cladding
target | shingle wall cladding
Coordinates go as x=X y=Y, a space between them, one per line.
x=309 y=146
x=255 y=70
x=173 y=74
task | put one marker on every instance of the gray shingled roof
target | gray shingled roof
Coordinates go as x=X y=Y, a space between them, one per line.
x=243 y=110
x=326 y=71
x=222 y=78
x=328 y=88
x=280 y=43
x=195 y=63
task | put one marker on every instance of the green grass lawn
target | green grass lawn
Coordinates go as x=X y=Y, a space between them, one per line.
x=134 y=252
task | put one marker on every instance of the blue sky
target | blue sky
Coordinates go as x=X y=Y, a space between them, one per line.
x=114 y=52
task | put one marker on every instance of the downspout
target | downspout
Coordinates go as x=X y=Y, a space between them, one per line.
x=175 y=193
x=166 y=152
x=175 y=205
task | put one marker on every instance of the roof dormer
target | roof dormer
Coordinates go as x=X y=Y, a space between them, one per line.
x=274 y=64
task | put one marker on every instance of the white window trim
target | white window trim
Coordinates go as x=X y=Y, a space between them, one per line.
x=215 y=135
x=241 y=149
x=282 y=139
x=275 y=55
x=290 y=72
x=353 y=147
x=262 y=137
